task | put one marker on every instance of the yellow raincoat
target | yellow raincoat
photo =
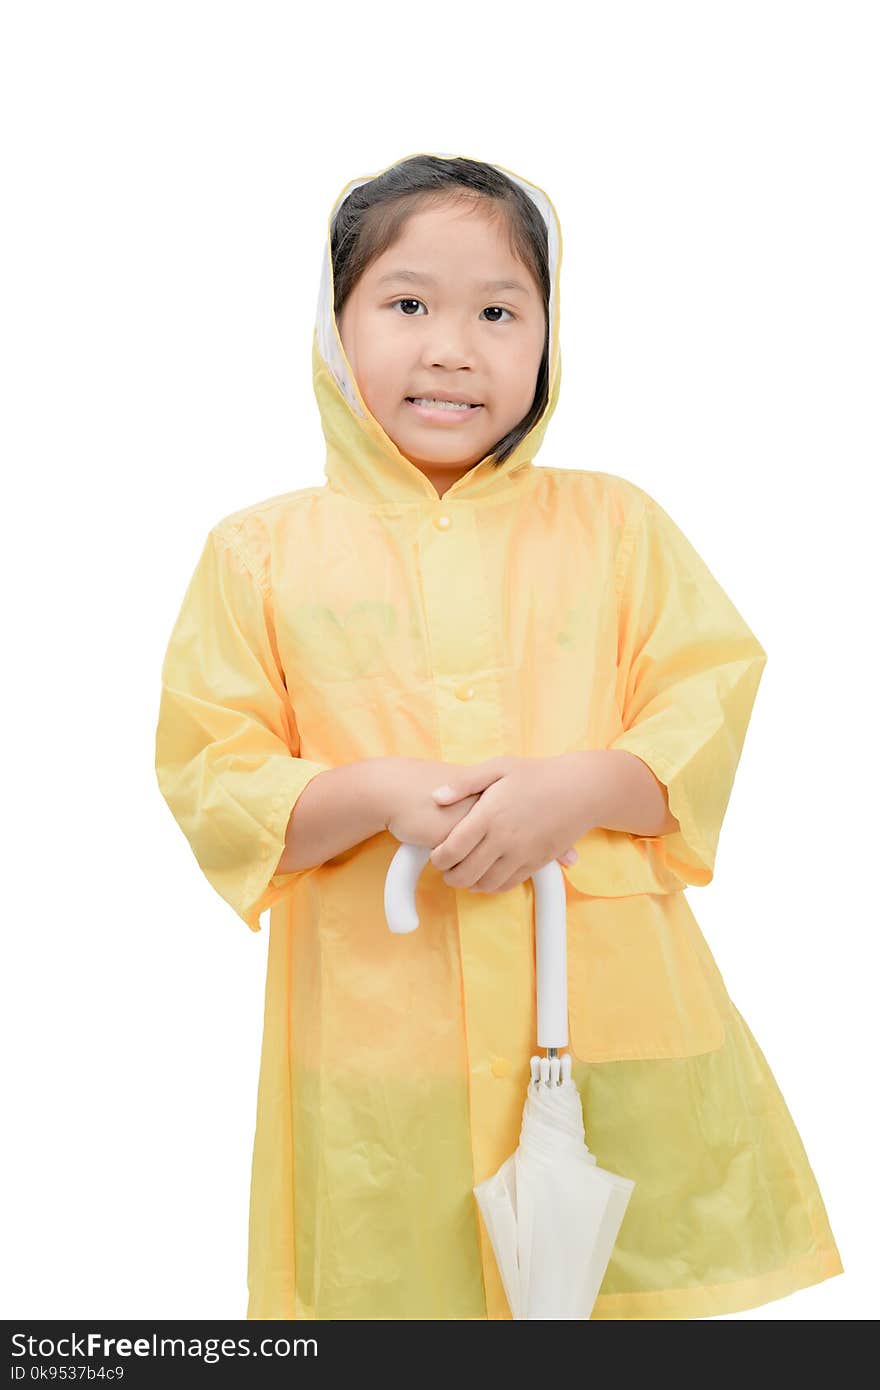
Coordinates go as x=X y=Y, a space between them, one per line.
x=530 y=611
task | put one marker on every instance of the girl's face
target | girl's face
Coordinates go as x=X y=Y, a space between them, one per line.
x=451 y=325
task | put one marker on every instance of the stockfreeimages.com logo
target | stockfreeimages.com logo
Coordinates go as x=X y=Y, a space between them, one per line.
x=95 y=1346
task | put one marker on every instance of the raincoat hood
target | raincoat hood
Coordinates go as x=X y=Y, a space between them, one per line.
x=362 y=460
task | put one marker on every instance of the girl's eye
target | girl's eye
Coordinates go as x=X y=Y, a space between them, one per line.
x=419 y=301
x=406 y=301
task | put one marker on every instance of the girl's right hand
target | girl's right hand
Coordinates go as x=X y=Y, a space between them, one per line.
x=412 y=815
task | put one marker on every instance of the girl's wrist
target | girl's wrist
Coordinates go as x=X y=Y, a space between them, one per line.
x=381 y=788
x=587 y=786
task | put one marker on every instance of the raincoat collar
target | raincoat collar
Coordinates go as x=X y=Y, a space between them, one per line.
x=362 y=461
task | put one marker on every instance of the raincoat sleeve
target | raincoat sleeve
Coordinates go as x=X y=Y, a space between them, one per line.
x=227 y=744
x=687 y=675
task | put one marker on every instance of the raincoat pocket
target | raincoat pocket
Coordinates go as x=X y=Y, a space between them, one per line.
x=637 y=987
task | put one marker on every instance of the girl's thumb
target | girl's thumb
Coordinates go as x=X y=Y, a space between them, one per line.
x=443 y=793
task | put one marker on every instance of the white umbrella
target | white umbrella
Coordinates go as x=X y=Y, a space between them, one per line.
x=552 y=1213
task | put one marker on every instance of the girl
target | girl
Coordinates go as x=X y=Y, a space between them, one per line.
x=547 y=644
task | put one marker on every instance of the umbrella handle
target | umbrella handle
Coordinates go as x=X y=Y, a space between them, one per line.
x=550 y=932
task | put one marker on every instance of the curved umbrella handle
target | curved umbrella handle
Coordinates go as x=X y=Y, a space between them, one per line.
x=550 y=933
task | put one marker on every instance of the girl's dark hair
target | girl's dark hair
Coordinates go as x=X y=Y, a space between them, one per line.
x=371 y=218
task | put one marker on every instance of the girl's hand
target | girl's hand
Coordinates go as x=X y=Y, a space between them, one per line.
x=528 y=809
x=414 y=816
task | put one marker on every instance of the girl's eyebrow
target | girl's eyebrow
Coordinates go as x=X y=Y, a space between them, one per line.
x=431 y=280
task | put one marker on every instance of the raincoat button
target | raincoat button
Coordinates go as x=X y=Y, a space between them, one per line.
x=443 y=522
x=500 y=1066
x=465 y=692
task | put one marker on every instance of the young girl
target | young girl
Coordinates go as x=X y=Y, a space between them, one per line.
x=546 y=643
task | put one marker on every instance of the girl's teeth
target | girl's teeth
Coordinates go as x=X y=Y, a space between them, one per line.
x=441 y=405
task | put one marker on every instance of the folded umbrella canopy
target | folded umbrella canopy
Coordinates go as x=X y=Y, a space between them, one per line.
x=552 y=1213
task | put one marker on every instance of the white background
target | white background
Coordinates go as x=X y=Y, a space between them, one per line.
x=167 y=174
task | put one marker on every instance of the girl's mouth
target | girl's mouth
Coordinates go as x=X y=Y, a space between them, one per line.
x=447 y=413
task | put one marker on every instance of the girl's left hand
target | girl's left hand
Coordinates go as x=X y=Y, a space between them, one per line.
x=531 y=811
